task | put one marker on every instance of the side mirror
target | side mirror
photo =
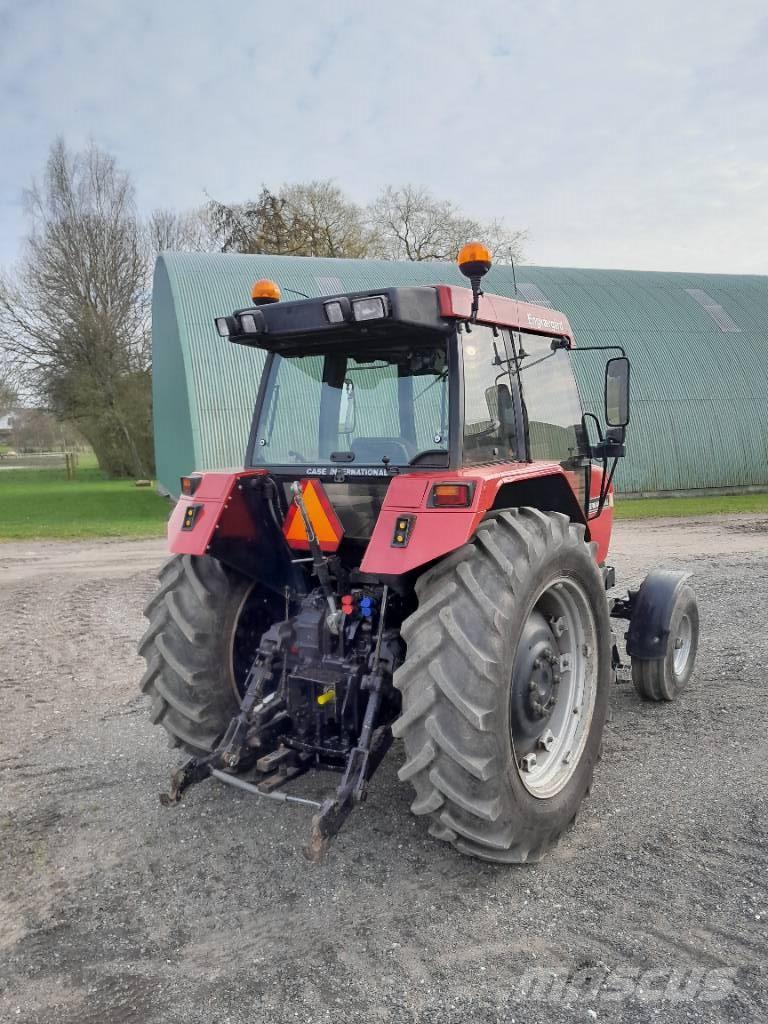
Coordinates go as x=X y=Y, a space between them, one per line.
x=347 y=408
x=617 y=392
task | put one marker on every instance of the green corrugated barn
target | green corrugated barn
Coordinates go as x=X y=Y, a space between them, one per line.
x=698 y=345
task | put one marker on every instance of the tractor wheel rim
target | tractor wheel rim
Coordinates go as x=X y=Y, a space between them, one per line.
x=547 y=762
x=683 y=642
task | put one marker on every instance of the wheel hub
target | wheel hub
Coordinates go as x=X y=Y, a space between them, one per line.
x=535 y=681
x=682 y=645
x=553 y=688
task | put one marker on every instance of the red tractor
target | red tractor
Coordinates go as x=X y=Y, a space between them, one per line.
x=416 y=547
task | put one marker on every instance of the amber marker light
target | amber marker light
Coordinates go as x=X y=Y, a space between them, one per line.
x=265 y=291
x=474 y=259
x=189 y=485
x=474 y=262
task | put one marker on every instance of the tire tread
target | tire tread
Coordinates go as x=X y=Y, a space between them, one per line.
x=190 y=692
x=455 y=644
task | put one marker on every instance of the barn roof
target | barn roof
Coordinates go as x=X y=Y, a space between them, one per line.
x=698 y=344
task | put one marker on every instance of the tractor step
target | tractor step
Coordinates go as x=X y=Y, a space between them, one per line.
x=283 y=757
x=278 y=779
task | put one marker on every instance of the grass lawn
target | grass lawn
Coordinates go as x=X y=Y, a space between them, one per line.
x=653 y=508
x=42 y=503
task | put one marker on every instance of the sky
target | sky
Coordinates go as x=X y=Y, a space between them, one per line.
x=618 y=133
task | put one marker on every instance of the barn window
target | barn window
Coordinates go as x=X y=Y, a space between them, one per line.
x=715 y=310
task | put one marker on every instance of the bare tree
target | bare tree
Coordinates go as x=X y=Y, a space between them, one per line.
x=9 y=394
x=188 y=231
x=311 y=219
x=409 y=223
x=321 y=221
x=75 y=317
x=239 y=227
x=36 y=429
x=317 y=219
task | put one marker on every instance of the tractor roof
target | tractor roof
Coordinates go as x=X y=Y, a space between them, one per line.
x=496 y=309
x=309 y=323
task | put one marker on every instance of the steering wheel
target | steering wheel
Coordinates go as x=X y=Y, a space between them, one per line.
x=424 y=454
x=487 y=432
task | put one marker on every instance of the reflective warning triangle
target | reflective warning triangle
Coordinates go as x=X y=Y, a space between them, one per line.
x=324 y=520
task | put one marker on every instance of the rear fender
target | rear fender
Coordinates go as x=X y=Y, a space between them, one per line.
x=434 y=533
x=230 y=520
x=217 y=505
x=549 y=493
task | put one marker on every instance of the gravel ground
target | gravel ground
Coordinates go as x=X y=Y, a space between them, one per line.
x=113 y=909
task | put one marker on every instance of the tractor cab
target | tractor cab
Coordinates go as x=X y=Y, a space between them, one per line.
x=404 y=379
x=360 y=389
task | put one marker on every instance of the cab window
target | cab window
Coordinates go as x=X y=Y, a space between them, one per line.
x=334 y=409
x=551 y=401
x=490 y=422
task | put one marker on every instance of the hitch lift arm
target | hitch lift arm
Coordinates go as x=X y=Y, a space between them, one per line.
x=259 y=712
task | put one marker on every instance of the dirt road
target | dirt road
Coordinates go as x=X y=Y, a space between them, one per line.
x=113 y=909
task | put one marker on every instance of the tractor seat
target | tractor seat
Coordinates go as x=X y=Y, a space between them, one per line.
x=373 y=449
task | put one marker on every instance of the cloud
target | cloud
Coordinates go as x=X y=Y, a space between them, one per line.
x=619 y=135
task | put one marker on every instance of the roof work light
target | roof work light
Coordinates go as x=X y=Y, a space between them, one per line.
x=252 y=322
x=226 y=325
x=337 y=311
x=373 y=307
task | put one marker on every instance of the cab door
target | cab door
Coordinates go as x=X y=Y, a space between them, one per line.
x=553 y=411
x=494 y=429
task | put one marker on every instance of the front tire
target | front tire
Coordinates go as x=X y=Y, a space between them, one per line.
x=662 y=679
x=476 y=686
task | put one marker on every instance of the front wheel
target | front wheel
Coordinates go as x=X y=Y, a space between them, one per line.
x=662 y=679
x=505 y=686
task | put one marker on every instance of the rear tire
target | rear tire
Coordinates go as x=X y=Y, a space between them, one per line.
x=461 y=695
x=663 y=678
x=192 y=649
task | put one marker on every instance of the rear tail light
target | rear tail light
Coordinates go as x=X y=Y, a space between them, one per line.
x=451 y=496
x=189 y=485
